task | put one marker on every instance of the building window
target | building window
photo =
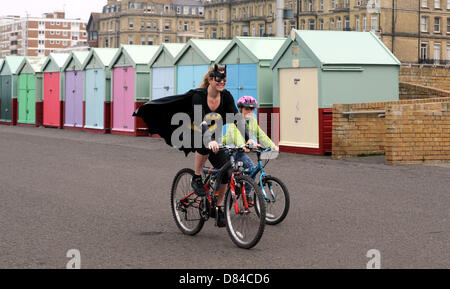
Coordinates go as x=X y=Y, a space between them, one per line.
x=261 y=30
x=321 y=5
x=347 y=23
x=437 y=53
x=333 y=4
x=150 y=40
x=358 y=24
x=448 y=53
x=424 y=24
x=321 y=25
x=303 y=24
x=130 y=23
x=130 y=39
x=186 y=26
x=312 y=25
x=437 y=4
x=332 y=24
x=374 y=23
x=364 y=22
x=167 y=25
x=424 y=50
x=214 y=33
x=166 y=39
x=338 y=23
x=142 y=40
x=448 y=25
x=437 y=25
x=424 y=3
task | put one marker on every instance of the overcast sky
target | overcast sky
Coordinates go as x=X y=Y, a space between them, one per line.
x=74 y=8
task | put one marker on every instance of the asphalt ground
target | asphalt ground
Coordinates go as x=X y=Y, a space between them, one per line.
x=108 y=197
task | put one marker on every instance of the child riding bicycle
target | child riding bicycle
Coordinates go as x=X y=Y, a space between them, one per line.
x=253 y=135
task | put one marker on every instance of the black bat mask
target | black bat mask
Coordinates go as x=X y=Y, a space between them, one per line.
x=219 y=75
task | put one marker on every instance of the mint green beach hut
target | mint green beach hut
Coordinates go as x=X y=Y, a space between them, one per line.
x=314 y=70
x=30 y=106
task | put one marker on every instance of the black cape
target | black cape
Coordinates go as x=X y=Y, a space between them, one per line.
x=157 y=114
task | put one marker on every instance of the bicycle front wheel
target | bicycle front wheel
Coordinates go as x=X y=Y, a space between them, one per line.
x=185 y=204
x=277 y=200
x=245 y=213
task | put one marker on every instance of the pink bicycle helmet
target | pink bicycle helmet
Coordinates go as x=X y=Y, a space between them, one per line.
x=247 y=101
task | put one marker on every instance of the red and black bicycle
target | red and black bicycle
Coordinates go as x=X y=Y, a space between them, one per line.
x=244 y=205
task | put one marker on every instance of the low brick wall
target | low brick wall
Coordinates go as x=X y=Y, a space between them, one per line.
x=358 y=134
x=415 y=91
x=394 y=134
x=418 y=132
x=437 y=77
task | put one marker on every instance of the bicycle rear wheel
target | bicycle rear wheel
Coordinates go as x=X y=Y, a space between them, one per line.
x=245 y=218
x=277 y=202
x=185 y=204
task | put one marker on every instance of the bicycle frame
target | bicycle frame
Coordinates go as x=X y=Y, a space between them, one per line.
x=260 y=169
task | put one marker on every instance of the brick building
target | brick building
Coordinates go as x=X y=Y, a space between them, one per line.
x=416 y=31
x=92 y=29
x=150 y=22
x=37 y=36
x=225 y=19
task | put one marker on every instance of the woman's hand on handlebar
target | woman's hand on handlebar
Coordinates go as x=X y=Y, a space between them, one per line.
x=213 y=146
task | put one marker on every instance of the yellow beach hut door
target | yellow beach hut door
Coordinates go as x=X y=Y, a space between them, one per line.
x=299 y=107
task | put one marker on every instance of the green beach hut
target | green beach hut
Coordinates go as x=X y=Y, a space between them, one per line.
x=9 y=80
x=30 y=91
x=314 y=70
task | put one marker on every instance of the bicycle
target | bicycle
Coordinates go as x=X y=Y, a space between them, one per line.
x=245 y=220
x=279 y=194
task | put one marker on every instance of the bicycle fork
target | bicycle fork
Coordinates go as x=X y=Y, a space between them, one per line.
x=244 y=197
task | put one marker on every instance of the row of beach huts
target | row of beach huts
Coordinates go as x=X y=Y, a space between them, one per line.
x=296 y=81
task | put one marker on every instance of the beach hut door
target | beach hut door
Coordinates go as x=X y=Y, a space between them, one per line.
x=299 y=111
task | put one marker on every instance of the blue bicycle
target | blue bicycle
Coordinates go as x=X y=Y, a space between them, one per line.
x=274 y=191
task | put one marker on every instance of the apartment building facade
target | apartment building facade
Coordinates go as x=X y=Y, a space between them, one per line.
x=416 y=31
x=40 y=36
x=225 y=19
x=150 y=22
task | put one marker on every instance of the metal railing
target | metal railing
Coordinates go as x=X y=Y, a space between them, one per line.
x=434 y=61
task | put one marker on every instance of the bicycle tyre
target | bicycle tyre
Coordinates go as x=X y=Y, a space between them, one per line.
x=259 y=201
x=276 y=220
x=185 y=175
